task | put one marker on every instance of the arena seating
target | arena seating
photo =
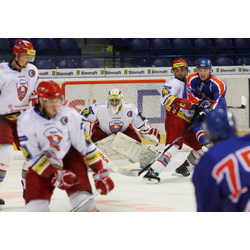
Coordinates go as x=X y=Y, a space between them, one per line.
x=89 y=63
x=135 y=52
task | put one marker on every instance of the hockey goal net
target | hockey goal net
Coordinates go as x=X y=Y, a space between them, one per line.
x=145 y=94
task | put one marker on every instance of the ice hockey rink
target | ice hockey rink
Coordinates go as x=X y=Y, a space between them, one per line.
x=131 y=194
x=151 y=216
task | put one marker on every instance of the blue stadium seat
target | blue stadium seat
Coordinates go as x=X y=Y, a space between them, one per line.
x=121 y=41
x=224 y=61
x=67 y=63
x=140 y=48
x=140 y=44
x=45 y=64
x=182 y=46
x=243 y=61
x=45 y=47
x=242 y=46
x=5 y=49
x=68 y=47
x=225 y=47
x=203 y=48
x=161 y=62
x=2 y=59
x=162 y=46
x=89 y=63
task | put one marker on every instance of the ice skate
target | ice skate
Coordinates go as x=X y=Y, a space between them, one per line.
x=2 y=202
x=182 y=170
x=151 y=177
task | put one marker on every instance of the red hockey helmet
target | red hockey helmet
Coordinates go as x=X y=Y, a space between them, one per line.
x=49 y=90
x=24 y=47
x=179 y=63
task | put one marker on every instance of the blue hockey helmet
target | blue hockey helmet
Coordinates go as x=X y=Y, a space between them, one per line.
x=220 y=124
x=204 y=64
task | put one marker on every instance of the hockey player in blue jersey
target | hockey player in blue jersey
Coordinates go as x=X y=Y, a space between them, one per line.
x=222 y=176
x=206 y=92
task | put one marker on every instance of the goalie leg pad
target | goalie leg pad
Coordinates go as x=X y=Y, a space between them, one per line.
x=105 y=146
x=133 y=150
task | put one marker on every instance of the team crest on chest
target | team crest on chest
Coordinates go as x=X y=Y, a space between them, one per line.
x=115 y=126
x=54 y=136
x=22 y=88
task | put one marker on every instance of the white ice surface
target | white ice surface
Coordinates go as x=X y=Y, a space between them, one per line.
x=172 y=194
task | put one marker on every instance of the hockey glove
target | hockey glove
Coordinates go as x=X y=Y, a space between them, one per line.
x=103 y=181
x=63 y=179
x=182 y=103
x=150 y=133
x=173 y=104
x=202 y=115
x=205 y=104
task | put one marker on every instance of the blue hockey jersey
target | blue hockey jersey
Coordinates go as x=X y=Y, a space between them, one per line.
x=213 y=90
x=222 y=177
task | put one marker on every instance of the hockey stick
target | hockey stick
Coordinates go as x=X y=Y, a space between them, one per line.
x=124 y=170
x=169 y=146
x=243 y=104
x=98 y=191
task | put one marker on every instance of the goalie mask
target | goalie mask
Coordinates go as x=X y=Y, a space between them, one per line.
x=115 y=98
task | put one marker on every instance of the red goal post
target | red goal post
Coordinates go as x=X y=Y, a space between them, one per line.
x=145 y=94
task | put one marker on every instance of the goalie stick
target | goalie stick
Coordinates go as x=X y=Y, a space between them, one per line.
x=124 y=170
x=98 y=191
x=243 y=104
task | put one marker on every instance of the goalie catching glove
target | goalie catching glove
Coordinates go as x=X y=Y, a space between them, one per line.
x=150 y=133
x=103 y=181
x=63 y=179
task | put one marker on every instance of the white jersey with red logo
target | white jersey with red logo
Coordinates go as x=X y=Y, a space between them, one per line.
x=112 y=123
x=16 y=87
x=46 y=141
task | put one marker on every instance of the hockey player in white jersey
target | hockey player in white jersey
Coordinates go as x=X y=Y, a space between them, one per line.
x=114 y=115
x=18 y=81
x=118 y=127
x=58 y=150
x=178 y=118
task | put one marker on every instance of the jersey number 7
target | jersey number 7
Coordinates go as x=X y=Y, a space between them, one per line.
x=230 y=167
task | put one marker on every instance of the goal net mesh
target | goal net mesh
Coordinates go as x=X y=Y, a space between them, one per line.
x=145 y=94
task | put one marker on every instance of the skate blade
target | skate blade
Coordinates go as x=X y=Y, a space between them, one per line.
x=179 y=175
x=150 y=181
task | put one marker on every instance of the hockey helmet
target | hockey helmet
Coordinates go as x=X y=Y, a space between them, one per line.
x=24 y=47
x=204 y=64
x=179 y=63
x=49 y=90
x=115 y=99
x=219 y=125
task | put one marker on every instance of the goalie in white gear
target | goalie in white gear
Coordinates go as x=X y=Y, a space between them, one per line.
x=114 y=115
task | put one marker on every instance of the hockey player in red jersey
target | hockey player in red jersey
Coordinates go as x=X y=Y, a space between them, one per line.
x=58 y=150
x=179 y=116
x=18 y=81
x=222 y=176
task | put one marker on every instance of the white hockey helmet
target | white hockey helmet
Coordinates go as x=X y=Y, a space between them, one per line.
x=115 y=99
